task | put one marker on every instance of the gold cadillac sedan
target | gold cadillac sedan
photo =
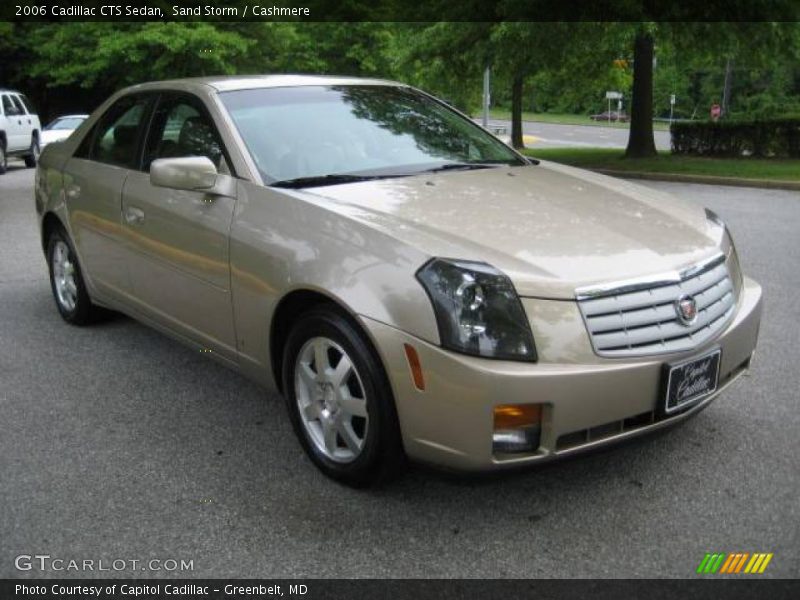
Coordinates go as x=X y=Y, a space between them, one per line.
x=411 y=285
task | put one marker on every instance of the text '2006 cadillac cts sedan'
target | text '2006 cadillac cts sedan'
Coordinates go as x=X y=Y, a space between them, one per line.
x=412 y=286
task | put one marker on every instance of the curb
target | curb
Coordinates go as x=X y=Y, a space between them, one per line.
x=773 y=184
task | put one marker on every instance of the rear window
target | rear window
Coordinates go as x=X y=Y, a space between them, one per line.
x=28 y=105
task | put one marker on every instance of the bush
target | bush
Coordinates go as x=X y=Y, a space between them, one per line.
x=779 y=138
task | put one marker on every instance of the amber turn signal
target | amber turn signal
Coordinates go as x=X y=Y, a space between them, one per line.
x=514 y=416
x=415 y=366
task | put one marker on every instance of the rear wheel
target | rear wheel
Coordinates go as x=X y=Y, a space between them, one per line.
x=339 y=400
x=32 y=159
x=66 y=281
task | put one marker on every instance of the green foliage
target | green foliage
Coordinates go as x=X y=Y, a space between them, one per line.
x=566 y=66
x=446 y=59
x=116 y=54
x=767 y=138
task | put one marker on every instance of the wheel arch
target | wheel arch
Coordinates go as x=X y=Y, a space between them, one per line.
x=50 y=222
x=289 y=309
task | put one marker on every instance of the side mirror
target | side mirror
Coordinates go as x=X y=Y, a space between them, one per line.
x=194 y=173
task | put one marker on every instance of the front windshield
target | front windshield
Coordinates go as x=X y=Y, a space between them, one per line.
x=313 y=131
x=68 y=123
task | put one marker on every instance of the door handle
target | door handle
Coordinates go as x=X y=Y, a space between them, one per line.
x=133 y=215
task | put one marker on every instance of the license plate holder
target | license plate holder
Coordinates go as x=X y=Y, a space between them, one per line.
x=690 y=381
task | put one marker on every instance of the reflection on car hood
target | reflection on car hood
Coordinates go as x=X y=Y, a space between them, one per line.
x=55 y=135
x=550 y=228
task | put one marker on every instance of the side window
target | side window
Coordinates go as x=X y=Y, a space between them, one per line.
x=18 y=104
x=180 y=128
x=115 y=139
x=28 y=106
x=9 y=108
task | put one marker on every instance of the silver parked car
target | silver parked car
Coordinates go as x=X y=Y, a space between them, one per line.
x=61 y=128
x=413 y=287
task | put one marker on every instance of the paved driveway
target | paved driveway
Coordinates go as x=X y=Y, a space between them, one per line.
x=551 y=135
x=118 y=443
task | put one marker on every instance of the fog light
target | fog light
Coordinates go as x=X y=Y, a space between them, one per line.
x=517 y=428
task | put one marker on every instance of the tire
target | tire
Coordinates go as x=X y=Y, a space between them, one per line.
x=3 y=158
x=66 y=281
x=364 y=450
x=32 y=159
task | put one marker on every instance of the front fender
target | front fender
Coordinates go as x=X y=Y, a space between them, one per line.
x=283 y=241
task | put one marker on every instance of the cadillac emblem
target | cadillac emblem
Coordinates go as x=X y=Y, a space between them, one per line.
x=686 y=307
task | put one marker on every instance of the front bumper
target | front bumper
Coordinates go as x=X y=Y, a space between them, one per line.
x=588 y=401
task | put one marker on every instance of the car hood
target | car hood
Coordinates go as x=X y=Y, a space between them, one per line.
x=550 y=228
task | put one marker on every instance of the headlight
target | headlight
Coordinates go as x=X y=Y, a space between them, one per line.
x=477 y=310
x=729 y=249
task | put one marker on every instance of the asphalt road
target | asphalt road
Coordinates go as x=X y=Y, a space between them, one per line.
x=552 y=135
x=118 y=443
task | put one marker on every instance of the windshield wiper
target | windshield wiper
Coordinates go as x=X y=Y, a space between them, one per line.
x=462 y=167
x=330 y=179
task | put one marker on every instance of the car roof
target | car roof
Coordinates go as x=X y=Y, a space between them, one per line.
x=247 y=82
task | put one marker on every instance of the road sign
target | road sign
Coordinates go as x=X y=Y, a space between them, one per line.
x=672 y=99
x=613 y=95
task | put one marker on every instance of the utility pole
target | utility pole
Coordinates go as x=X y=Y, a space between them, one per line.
x=671 y=107
x=486 y=96
x=726 y=87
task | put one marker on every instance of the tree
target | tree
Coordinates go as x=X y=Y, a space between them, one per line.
x=444 y=58
x=641 y=142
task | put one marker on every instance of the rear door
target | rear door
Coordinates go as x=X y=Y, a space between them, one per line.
x=93 y=180
x=178 y=239
x=26 y=118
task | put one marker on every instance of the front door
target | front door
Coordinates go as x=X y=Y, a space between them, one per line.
x=178 y=239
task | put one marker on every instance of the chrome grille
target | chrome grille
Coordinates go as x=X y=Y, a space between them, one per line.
x=636 y=319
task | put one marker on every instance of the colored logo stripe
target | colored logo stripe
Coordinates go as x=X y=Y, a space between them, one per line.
x=733 y=562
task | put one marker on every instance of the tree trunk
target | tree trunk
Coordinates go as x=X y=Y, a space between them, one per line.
x=641 y=143
x=516 y=112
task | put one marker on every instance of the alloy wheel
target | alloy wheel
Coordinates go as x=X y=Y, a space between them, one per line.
x=64 y=276
x=331 y=400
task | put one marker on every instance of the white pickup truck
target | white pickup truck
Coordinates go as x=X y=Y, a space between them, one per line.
x=20 y=129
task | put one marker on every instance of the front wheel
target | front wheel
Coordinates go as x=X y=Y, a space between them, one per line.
x=32 y=159
x=3 y=158
x=66 y=281
x=339 y=400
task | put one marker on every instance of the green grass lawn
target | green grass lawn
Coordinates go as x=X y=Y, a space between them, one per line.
x=563 y=119
x=612 y=159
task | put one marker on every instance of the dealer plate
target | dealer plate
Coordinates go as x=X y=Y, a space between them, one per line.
x=690 y=381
